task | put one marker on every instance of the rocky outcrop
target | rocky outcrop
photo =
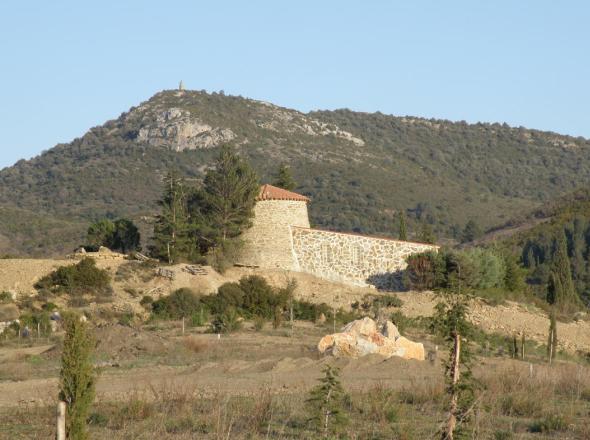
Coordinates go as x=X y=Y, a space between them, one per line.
x=178 y=130
x=363 y=336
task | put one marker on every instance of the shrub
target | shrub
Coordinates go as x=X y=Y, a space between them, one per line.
x=549 y=423
x=77 y=279
x=5 y=297
x=226 y=322
x=423 y=271
x=308 y=311
x=259 y=322
x=180 y=303
x=146 y=301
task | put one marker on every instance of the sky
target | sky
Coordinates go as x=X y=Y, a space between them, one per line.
x=66 y=66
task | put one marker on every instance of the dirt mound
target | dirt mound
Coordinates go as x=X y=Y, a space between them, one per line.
x=117 y=342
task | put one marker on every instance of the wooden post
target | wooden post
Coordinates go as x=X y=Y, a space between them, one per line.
x=522 y=343
x=550 y=345
x=291 y=315
x=38 y=330
x=183 y=325
x=455 y=372
x=61 y=421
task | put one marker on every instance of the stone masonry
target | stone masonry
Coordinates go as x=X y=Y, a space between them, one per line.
x=280 y=237
x=350 y=258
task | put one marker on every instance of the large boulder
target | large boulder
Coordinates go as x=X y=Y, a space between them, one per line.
x=361 y=337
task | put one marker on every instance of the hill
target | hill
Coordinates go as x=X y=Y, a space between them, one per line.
x=358 y=168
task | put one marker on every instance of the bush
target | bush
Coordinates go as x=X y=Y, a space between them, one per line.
x=77 y=279
x=180 y=303
x=550 y=423
x=308 y=311
x=423 y=271
x=146 y=301
x=5 y=297
x=226 y=322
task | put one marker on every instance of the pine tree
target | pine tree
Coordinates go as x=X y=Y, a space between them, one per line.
x=284 y=178
x=229 y=195
x=560 y=290
x=327 y=403
x=471 y=231
x=77 y=376
x=403 y=232
x=172 y=230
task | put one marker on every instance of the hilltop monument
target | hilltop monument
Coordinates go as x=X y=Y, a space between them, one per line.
x=281 y=238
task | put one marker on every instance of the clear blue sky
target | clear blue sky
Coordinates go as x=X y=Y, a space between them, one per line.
x=66 y=66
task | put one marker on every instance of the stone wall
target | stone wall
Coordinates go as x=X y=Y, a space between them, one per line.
x=353 y=259
x=268 y=243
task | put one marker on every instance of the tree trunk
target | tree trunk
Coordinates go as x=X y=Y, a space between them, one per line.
x=455 y=372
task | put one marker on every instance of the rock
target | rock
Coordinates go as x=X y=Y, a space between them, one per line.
x=365 y=327
x=390 y=330
x=412 y=350
x=360 y=338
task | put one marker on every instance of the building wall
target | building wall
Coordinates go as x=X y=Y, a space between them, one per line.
x=353 y=259
x=268 y=243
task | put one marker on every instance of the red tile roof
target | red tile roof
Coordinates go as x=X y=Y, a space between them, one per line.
x=269 y=192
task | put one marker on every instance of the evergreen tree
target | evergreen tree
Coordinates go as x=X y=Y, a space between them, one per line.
x=403 y=233
x=327 y=403
x=100 y=233
x=228 y=198
x=284 y=178
x=125 y=236
x=471 y=231
x=560 y=289
x=77 y=376
x=450 y=321
x=427 y=234
x=172 y=231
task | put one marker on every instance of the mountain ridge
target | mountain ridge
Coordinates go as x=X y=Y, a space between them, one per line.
x=359 y=168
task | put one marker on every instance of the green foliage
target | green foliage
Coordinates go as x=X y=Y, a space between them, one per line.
x=100 y=233
x=180 y=303
x=425 y=271
x=120 y=235
x=450 y=321
x=327 y=404
x=471 y=231
x=402 y=227
x=171 y=240
x=226 y=322
x=426 y=234
x=433 y=169
x=77 y=376
x=284 y=178
x=227 y=200
x=560 y=290
x=77 y=279
x=550 y=423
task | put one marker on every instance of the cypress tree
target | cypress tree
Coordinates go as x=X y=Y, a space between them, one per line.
x=171 y=230
x=427 y=234
x=560 y=290
x=284 y=178
x=403 y=233
x=77 y=377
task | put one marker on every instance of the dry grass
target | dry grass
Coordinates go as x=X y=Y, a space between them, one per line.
x=196 y=344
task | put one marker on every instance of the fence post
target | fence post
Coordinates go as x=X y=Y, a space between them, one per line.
x=61 y=420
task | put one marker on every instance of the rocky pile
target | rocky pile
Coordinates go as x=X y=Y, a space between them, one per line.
x=364 y=336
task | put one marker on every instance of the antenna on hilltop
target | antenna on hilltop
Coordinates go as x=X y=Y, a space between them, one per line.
x=181 y=85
